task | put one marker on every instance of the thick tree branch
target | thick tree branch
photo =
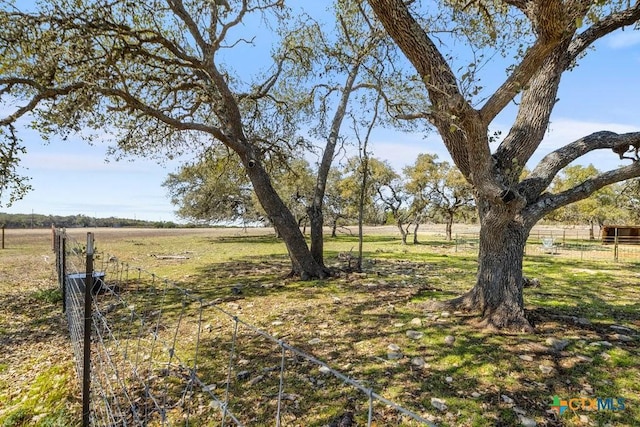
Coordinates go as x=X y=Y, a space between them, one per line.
x=541 y=177
x=440 y=82
x=601 y=28
x=550 y=202
x=549 y=21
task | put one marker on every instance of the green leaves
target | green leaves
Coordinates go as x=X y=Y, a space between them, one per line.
x=13 y=185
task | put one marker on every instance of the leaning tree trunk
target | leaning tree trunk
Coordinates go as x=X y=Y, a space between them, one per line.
x=497 y=294
x=302 y=262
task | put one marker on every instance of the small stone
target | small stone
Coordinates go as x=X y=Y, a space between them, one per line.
x=506 y=399
x=324 y=370
x=314 y=341
x=545 y=369
x=527 y=422
x=393 y=347
x=445 y=314
x=243 y=375
x=398 y=325
x=601 y=344
x=557 y=344
x=583 y=321
x=584 y=419
x=449 y=340
x=476 y=394
x=620 y=328
x=416 y=321
x=277 y=323
x=622 y=337
x=439 y=404
x=256 y=380
x=449 y=379
x=418 y=361
x=526 y=357
x=394 y=355
x=519 y=410
x=414 y=335
x=584 y=358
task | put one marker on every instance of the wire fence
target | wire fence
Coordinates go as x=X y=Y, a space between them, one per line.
x=562 y=244
x=161 y=355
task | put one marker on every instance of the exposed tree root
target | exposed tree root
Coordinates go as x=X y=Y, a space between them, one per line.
x=502 y=318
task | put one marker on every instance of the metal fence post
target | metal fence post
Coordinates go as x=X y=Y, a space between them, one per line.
x=86 y=372
x=62 y=248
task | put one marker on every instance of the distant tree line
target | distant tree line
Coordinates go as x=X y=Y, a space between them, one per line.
x=75 y=221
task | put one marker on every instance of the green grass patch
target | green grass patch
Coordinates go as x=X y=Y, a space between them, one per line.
x=350 y=320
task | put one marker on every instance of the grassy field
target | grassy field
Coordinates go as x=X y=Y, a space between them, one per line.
x=483 y=379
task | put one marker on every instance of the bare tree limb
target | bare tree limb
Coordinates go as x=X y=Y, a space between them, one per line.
x=541 y=177
x=550 y=202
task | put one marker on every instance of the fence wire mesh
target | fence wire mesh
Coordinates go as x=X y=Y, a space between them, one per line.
x=163 y=356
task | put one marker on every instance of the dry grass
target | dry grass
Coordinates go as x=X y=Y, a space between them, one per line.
x=485 y=379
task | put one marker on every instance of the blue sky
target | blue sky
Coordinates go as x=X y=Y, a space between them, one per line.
x=71 y=177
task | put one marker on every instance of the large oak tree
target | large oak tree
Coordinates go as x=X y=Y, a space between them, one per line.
x=157 y=76
x=554 y=35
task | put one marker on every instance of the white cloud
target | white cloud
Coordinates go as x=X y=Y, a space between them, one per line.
x=624 y=39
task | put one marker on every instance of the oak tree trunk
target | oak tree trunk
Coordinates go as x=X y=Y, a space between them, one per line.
x=497 y=294
x=449 y=226
x=302 y=262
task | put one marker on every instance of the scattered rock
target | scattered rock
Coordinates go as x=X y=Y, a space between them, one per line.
x=445 y=314
x=324 y=370
x=243 y=375
x=414 y=335
x=519 y=410
x=545 y=369
x=416 y=321
x=584 y=358
x=393 y=347
x=344 y=420
x=392 y=355
x=622 y=337
x=527 y=422
x=475 y=394
x=449 y=379
x=557 y=344
x=277 y=323
x=601 y=344
x=506 y=399
x=398 y=325
x=314 y=341
x=526 y=357
x=449 y=340
x=620 y=328
x=439 y=404
x=583 y=321
x=418 y=361
x=256 y=380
